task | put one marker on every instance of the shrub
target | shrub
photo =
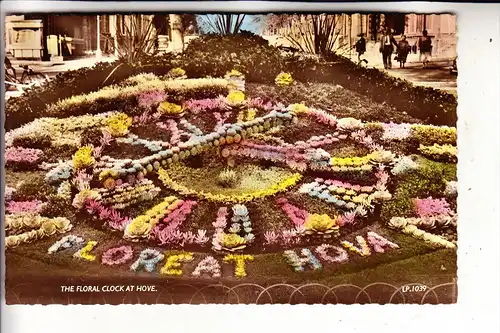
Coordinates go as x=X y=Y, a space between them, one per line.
x=32 y=104
x=329 y=98
x=215 y=55
x=432 y=106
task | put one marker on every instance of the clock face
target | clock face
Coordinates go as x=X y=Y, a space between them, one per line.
x=241 y=169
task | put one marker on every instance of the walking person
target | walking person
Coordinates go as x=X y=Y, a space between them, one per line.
x=387 y=48
x=425 y=47
x=360 y=47
x=403 y=49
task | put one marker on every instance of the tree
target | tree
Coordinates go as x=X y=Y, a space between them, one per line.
x=311 y=33
x=189 y=25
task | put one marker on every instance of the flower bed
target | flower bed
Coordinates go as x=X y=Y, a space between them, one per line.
x=221 y=174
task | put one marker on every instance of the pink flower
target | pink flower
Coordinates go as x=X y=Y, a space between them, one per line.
x=92 y=206
x=174 y=131
x=204 y=105
x=34 y=206
x=258 y=103
x=148 y=99
x=109 y=216
x=167 y=231
x=201 y=237
x=347 y=218
x=221 y=118
x=430 y=207
x=143 y=119
x=297 y=215
x=23 y=155
x=106 y=138
x=221 y=220
x=118 y=255
x=82 y=180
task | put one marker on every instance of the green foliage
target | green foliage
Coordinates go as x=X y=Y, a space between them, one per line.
x=57 y=207
x=33 y=187
x=32 y=104
x=215 y=55
x=428 y=135
x=428 y=180
x=375 y=130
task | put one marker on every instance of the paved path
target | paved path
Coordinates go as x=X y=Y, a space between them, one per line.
x=436 y=76
x=52 y=70
x=48 y=68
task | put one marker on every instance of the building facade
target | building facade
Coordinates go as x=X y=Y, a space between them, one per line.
x=47 y=36
x=441 y=28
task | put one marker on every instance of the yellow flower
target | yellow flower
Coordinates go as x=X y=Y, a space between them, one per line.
x=118 y=124
x=320 y=223
x=80 y=199
x=84 y=253
x=239 y=259
x=284 y=79
x=170 y=108
x=298 y=108
x=167 y=181
x=83 y=158
x=234 y=73
x=251 y=114
x=176 y=72
x=107 y=174
x=235 y=98
x=142 y=224
x=232 y=241
x=139 y=226
x=174 y=261
x=240 y=117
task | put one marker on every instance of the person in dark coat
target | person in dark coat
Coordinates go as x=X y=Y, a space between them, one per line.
x=360 y=47
x=387 y=43
x=403 y=49
x=425 y=46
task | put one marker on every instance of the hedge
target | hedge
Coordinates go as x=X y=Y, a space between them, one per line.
x=431 y=105
x=214 y=55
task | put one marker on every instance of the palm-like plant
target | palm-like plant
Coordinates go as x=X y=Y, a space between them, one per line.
x=223 y=24
x=311 y=33
x=137 y=39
